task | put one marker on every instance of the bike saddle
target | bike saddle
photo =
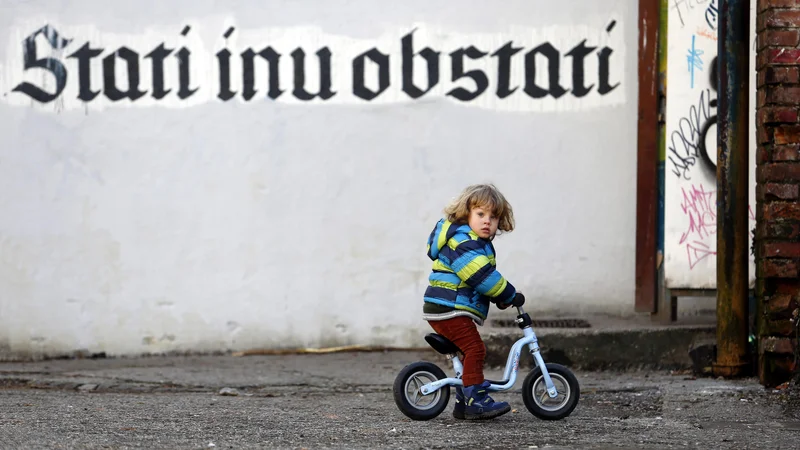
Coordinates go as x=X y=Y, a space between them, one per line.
x=441 y=344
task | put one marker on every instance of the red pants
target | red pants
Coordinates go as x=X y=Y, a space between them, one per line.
x=463 y=332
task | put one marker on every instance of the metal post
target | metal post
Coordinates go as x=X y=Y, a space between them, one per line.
x=647 y=159
x=732 y=188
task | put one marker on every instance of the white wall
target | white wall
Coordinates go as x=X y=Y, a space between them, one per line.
x=200 y=224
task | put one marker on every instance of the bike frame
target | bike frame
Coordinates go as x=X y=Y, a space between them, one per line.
x=511 y=369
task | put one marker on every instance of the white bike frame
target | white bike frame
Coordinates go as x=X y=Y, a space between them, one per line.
x=512 y=366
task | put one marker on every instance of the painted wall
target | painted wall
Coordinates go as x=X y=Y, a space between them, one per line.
x=192 y=176
x=690 y=202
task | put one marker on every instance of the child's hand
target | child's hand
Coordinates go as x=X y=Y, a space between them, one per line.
x=518 y=300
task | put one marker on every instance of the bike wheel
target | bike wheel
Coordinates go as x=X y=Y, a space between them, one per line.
x=408 y=398
x=539 y=403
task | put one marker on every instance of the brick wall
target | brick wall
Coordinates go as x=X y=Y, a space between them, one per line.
x=777 y=248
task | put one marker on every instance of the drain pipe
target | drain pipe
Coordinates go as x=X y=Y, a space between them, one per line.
x=732 y=188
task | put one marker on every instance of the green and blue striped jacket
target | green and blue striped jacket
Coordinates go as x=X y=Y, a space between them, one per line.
x=464 y=279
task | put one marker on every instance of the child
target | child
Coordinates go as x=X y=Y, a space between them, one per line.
x=463 y=283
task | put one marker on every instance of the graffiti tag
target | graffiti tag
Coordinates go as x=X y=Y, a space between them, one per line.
x=682 y=150
x=700 y=207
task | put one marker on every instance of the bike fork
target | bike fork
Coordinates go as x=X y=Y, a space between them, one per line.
x=537 y=356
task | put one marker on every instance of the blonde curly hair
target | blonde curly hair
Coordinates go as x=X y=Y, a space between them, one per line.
x=485 y=196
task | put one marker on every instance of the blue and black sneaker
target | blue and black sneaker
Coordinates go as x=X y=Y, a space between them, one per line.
x=458 y=411
x=478 y=405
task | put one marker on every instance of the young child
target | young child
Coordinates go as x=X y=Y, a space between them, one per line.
x=463 y=283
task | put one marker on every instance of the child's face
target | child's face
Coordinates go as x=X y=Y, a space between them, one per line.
x=483 y=222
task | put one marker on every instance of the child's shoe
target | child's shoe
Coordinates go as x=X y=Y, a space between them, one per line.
x=458 y=411
x=478 y=404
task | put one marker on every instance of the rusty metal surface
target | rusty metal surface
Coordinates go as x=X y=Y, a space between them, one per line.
x=732 y=188
x=647 y=158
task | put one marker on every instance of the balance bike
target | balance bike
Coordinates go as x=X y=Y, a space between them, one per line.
x=550 y=391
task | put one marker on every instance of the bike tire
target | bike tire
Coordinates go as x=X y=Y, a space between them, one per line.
x=566 y=384
x=423 y=372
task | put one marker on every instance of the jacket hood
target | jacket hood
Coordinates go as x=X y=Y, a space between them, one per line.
x=442 y=232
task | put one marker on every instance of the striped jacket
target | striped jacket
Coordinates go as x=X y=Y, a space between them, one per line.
x=464 y=279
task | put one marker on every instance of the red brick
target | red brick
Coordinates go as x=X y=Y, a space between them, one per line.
x=782 y=327
x=783 y=286
x=781 y=18
x=775 y=369
x=779 y=229
x=762 y=155
x=781 y=210
x=783 y=171
x=779 y=268
x=766 y=4
x=777 y=114
x=777 y=38
x=782 y=38
x=781 y=345
x=781 y=303
x=785 y=153
x=783 y=56
x=783 y=95
x=776 y=75
x=782 y=249
x=764 y=135
x=781 y=191
x=786 y=134
x=762 y=58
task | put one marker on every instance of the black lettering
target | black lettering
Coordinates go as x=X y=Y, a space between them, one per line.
x=578 y=53
x=711 y=15
x=224 y=61
x=324 y=55
x=504 y=55
x=553 y=66
x=158 y=55
x=52 y=65
x=481 y=82
x=359 y=86
x=110 y=88
x=248 y=72
x=432 y=59
x=184 y=69
x=603 y=67
x=184 y=91
x=84 y=56
x=603 y=70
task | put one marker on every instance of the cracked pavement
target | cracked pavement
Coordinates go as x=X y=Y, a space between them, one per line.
x=344 y=400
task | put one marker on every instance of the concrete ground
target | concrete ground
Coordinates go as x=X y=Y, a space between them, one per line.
x=344 y=400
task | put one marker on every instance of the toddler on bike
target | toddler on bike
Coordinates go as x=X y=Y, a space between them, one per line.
x=462 y=284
